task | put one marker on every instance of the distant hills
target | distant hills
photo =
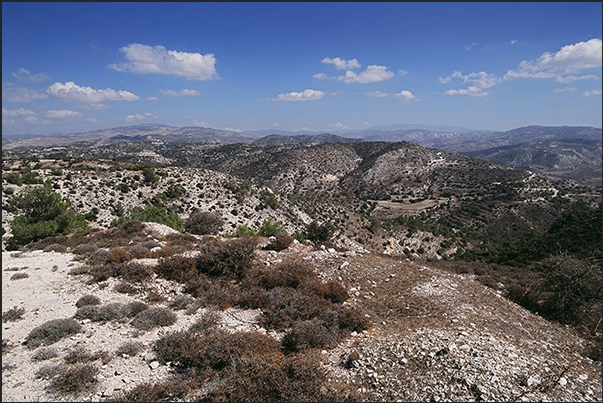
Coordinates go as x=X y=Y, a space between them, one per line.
x=571 y=152
x=143 y=132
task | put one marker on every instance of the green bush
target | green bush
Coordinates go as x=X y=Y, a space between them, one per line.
x=149 y=175
x=151 y=213
x=43 y=214
x=242 y=230
x=271 y=227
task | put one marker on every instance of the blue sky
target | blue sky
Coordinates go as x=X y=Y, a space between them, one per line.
x=70 y=67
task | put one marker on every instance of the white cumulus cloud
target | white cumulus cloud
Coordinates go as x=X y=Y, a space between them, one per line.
x=377 y=94
x=320 y=76
x=17 y=112
x=472 y=91
x=591 y=93
x=62 y=114
x=24 y=75
x=372 y=74
x=13 y=93
x=405 y=96
x=342 y=64
x=138 y=117
x=157 y=59
x=70 y=91
x=306 y=95
x=569 y=60
x=182 y=93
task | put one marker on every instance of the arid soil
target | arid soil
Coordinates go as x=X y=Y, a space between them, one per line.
x=435 y=336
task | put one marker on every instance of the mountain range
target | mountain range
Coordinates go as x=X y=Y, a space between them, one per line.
x=571 y=152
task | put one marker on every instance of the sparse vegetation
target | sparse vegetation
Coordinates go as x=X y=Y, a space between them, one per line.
x=13 y=314
x=52 y=331
x=153 y=317
x=552 y=269
x=87 y=300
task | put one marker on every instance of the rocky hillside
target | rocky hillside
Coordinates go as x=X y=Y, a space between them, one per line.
x=376 y=311
x=429 y=334
x=361 y=188
x=576 y=159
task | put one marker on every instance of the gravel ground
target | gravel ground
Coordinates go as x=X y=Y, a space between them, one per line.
x=436 y=336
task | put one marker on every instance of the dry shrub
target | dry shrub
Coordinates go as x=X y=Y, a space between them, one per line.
x=99 y=257
x=274 y=377
x=286 y=274
x=136 y=272
x=252 y=297
x=170 y=390
x=353 y=319
x=150 y=244
x=281 y=241
x=181 y=302
x=154 y=317
x=206 y=321
x=118 y=255
x=6 y=346
x=129 y=228
x=55 y=247
x=335 y=292
x=285 y=306
x=19 y=276
x=229 y=259
x=45 y=353
x=125 y=288
x=164 y=251
x=138 y=251
x=184 y=241
x=204 y=223
x=199 y=286
x=307 y=334
x=80 y=354
x=74 y=379
x=116 y=311
x=155 y=297
x=48 y=371
x=212 y=348
x=130 y=348
x=177 y=268
x=102 y=272
x=87 y=300
x=13 y=314
x=52 y=331
x=217 y=292
x=85 y=249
